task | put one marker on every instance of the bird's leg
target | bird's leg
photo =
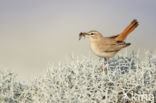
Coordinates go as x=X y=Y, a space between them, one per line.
x=105 y=68
x=101 y=69
x=105 y=59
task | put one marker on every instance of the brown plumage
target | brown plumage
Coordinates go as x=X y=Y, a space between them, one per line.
x=107 y=47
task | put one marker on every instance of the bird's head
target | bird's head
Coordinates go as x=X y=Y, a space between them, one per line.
x=92 y=35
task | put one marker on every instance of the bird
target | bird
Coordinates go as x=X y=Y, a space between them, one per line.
x=107 y=47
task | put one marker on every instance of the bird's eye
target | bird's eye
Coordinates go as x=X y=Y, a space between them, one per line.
x=92 y=34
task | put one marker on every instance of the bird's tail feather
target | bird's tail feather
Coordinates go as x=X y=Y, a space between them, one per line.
x=127 y=30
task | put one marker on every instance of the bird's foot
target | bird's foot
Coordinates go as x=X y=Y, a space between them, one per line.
x=103 y=69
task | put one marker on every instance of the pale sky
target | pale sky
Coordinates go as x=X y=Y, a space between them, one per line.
x=35 y=33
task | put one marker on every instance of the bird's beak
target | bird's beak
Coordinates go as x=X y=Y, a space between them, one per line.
x=83 y=35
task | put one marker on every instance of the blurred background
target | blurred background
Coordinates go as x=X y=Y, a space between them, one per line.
x=36 y=33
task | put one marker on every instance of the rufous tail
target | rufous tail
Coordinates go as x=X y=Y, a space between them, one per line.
x=127 y=30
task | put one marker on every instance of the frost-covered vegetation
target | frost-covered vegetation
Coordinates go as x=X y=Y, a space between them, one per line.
x=130 y=79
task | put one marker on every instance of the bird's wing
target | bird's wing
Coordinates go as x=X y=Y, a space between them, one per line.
x=113 y=36
x=111 y=45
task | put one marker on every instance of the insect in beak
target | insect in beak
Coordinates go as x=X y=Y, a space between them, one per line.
x=83 y=35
